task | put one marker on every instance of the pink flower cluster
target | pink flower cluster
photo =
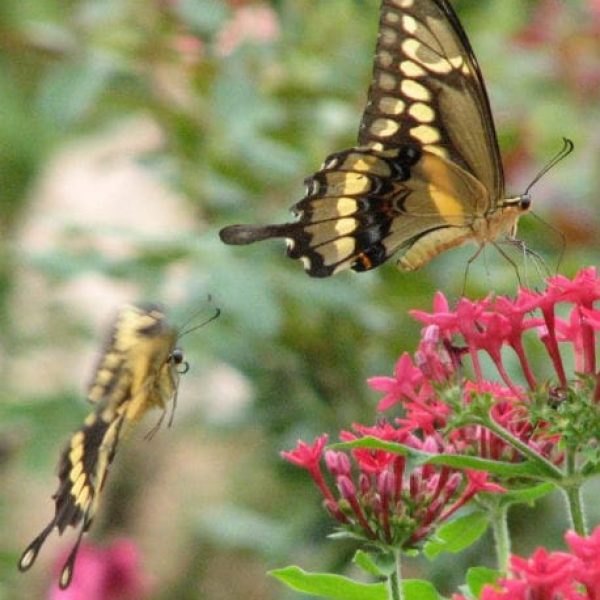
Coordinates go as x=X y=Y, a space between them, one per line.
x=552 y=575
x=378 y=496
x=381 y=499
x=497 y=327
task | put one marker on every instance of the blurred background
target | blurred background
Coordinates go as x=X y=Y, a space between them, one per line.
x=130 y=133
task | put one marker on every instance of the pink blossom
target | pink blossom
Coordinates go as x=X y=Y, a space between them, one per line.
x=407 y=378
x=380 y=500
x=105 y=573
x=587 y=568
x=306 y=455
x=549 y=575
x=256 y=24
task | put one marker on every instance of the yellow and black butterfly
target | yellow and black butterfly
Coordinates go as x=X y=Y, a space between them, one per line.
x=426 y=175
x=138 y=370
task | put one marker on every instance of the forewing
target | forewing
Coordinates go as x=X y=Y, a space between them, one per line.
x=139 y=343
x=427 y=89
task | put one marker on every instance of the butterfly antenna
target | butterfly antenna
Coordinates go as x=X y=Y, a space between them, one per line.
x=566 y=149
x=214 y=316
x=194 y=314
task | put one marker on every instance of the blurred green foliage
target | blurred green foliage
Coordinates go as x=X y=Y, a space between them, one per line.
x=240 y=131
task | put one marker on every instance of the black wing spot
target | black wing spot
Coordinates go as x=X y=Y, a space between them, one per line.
x=371 y=258
x=408 y=156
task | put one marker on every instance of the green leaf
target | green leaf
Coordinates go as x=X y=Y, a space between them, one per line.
x=477 y=577
x=325 y=585
x=457 y=534
x=416 y=589
x=527 y=495
x=379 y=564
x=524 y=469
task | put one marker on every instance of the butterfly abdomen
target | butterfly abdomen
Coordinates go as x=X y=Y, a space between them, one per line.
x=433 y=243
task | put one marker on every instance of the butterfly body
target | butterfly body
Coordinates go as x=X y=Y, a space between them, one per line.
x=426 y=175
x=138 y=371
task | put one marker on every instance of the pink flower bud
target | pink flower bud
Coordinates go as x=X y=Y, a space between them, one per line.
x=346 y=487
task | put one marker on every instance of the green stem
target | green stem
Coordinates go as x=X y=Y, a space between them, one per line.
x=395 y=579
x=499 y=520
x=552 y=471
x=572 y=492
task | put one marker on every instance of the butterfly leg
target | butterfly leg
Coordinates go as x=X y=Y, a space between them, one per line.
x=510 y=261
x=173 y=407
x=471 y=260
x=541 y=265
x=156 y=427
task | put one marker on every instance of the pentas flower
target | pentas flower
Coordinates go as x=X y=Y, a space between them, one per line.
x=113 y=572
x=499 y=328
x=552 y=575
x=378 y=497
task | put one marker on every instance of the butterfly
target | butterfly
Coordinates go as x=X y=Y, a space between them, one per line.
x=426 y=175
x=138 y=370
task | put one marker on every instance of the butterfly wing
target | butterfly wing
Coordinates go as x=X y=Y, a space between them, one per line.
x=427 y=89
x=82 y=471
x=427 y=165
x=134 y=374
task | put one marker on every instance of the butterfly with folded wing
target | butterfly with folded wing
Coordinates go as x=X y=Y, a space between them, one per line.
x=426 y=175
x=138 y=370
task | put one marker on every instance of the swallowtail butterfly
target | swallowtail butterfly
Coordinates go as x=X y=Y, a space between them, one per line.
x=426 y=174
x=138 y=370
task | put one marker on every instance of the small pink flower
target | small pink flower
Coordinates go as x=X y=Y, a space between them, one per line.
x=406 y=378
x=102 y=573
x=442 y=316
x=587 y=568
x=553 y=575
x=549 y=572
x=256 y=24
x=306 y=455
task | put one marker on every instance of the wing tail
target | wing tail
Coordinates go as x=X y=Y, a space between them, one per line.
x=240 y=235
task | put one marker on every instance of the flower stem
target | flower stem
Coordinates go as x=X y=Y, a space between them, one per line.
x=395 y=579
x=545 y=465
x=499 y=520
x=572 y=492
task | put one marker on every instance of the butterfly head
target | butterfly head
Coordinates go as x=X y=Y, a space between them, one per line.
x=177 y=360
x=519 y=204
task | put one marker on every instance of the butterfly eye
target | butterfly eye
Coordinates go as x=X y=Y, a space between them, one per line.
x=176 y=358
x=525 y=202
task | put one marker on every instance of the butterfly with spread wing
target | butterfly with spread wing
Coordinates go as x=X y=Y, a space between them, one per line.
x=138 y=370
x=426 y=175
